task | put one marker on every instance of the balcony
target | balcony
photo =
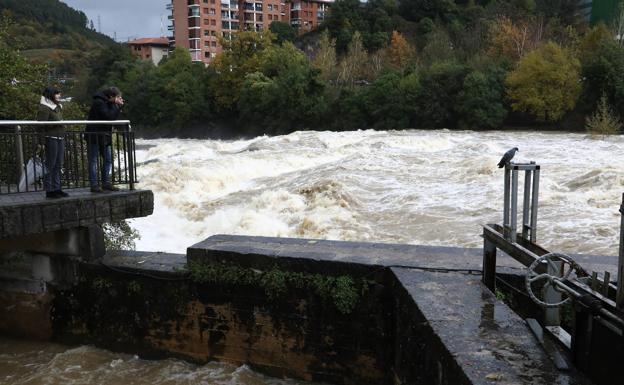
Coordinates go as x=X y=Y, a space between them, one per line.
x=169 y=7
x=193 y=3
x=193 y=12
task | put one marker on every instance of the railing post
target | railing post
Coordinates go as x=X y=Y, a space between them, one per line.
x=514 y=206
x=506 y=224
x=526 y=222
x=19 y=148
x=130 y=155
x=535 y=204
x=619 y=299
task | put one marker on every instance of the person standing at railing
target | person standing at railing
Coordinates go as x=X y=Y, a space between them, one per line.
x=54 y=141
x=106 y=106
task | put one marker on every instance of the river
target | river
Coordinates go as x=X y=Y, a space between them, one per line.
x=418 y=187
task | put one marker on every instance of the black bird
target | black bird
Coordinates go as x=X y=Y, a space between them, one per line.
x=507 y=157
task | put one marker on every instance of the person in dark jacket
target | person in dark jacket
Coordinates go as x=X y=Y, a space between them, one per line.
x=106 y=106
x=54 y=141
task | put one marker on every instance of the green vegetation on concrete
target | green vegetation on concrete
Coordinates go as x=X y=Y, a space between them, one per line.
x=343 y=291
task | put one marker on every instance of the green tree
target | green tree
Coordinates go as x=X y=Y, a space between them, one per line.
x=592 y=41
x=440 y=85
x=418 y=9
x=21 y=83
x=603 y=72
x=108 y=67
x=283 y=31
x=546 y=83
x=285 y=95
x=385 y=103
x=240 y=56
x=480 y=103
x=120 y=236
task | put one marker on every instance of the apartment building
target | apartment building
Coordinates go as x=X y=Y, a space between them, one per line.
x=150 y=48
x=197 y=25
x=306 y=15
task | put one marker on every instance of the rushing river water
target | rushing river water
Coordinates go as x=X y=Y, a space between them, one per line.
x=419 y=187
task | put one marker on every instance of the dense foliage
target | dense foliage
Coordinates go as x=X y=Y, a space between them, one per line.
x=467 y=64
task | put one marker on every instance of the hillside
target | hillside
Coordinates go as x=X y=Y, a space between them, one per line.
x=50 y=32
x=50 y=24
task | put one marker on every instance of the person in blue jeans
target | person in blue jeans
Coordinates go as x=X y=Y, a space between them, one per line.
x=106 y=105
x=54 y=140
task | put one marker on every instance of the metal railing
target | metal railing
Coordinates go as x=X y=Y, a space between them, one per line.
x=22 y=154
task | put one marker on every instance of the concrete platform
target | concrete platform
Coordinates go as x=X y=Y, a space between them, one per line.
x=488 y=341
x=31 y=213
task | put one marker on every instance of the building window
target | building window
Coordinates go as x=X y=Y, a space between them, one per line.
x=270 y=7
x=212 y=1
x=206 y=22
x=213 y=22
x=206 y=44
x=212 y=11
x=270 y=17
x=206 y=32
x=258 y=6
x=206 y=54
x=213 y=43
x=205 y=11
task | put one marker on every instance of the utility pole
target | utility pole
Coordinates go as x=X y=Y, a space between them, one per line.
x=99 y=24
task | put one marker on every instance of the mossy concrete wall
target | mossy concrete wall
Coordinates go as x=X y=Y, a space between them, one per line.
x=298 y=333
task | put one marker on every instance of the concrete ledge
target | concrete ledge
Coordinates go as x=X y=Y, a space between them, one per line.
x=31 y=213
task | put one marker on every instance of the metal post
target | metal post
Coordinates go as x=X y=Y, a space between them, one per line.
x=534 y=204
x=506 y=202
x=526 y=222
x=130 y=155
x=552 y=315
x=19 y=148
x=619 y=299
x=489 y=265
x=514 y=206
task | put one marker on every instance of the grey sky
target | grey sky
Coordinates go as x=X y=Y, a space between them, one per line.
x=129 y=18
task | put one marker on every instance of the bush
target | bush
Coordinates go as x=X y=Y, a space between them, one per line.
x=604 y=121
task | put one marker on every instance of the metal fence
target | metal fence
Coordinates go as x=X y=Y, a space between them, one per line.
x=22 y=155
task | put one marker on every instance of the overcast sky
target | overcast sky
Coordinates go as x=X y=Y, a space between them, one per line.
x=129 y=18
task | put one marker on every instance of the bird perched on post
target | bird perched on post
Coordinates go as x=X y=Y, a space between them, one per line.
x=507 y=157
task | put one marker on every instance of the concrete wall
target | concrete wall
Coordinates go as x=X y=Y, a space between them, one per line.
x=300 y=334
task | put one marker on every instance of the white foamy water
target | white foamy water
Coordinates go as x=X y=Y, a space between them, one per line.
x=417 y=187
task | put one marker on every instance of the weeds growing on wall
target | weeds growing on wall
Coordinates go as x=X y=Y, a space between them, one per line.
x=343 y=291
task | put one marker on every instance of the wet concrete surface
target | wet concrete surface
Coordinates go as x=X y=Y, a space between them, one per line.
x=489 y=342
x=372 y=254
